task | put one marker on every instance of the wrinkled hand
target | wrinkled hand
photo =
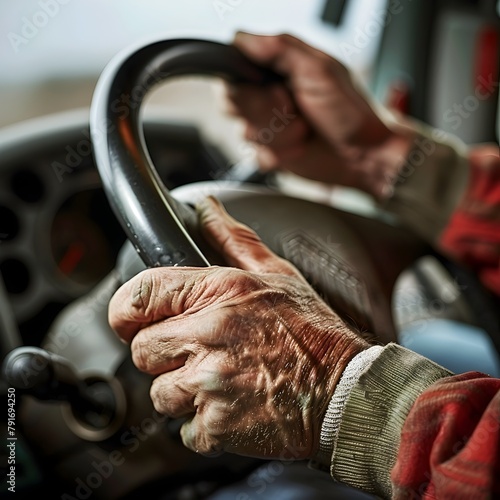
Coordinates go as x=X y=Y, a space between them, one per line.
x=250 y=356
x=320 y=125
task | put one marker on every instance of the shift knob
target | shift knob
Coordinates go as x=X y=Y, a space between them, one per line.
x=48 y=376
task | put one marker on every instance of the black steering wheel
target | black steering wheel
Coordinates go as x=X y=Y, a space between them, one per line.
x=353 y=261
x=150 y=216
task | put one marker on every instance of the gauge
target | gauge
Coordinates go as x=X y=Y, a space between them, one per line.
x=79 y=248
x=85 y=238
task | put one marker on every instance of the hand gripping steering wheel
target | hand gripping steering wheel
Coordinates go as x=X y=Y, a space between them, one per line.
x=353 y=261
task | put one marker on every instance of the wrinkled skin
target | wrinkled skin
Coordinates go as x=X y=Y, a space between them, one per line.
x=326 y=129
x=250 y=356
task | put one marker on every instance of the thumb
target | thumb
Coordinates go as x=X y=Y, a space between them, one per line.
x=263 y=49
x=285 y=53
x=237 y=243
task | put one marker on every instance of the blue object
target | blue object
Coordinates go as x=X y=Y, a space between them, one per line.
x=453 y=345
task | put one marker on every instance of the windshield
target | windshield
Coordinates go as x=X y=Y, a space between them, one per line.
x=53 y=51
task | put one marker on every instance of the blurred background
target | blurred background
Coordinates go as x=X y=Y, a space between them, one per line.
x=435 y=61
x=52 y=51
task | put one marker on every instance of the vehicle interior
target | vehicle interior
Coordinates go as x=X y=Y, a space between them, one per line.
x=77 y=221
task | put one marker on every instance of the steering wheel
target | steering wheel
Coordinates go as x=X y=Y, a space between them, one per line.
x=151 y=217
x=341 y=254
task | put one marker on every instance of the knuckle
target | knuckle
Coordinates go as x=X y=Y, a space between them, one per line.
x=140 y=355
x=158 y=401
x=325 y=67
x=162 y=402
x=273 y=299
x=174 y=398
x=280 y=42
x=329 y=71
x=143 y=291
x=242 y=281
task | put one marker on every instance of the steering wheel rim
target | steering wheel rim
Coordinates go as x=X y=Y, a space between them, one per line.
x=153 y=220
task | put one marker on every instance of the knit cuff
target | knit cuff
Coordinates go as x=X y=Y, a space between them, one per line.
x=333 y=416
x=369 y=434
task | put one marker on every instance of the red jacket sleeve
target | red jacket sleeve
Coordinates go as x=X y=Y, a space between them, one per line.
x=450 y=442
x=472 y=235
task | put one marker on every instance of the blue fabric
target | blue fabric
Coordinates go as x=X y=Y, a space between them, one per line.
x=456 y=346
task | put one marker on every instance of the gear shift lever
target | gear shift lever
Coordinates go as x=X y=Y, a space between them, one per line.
x=48 y=376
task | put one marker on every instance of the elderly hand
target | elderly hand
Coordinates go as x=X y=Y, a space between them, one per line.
x=320 y=125
x=249 y=356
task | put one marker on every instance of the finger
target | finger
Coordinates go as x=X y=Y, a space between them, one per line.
x=155 y=349
x=237 y=243
x=166 y=345
x=172 y=395
x=278 y=135
x=255 y=103
x=316 y=152
x=270 y=49
x=322 y=87
x=270 y=115
x=159 y=293
x=205 y=433
x=287 y=55
x=194 y=387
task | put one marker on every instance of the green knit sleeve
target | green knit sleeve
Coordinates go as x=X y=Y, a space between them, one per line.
x=375 y=411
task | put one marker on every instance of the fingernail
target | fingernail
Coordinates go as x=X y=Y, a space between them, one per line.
x=209 y=204
x=242 y=37
x=242 y=34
